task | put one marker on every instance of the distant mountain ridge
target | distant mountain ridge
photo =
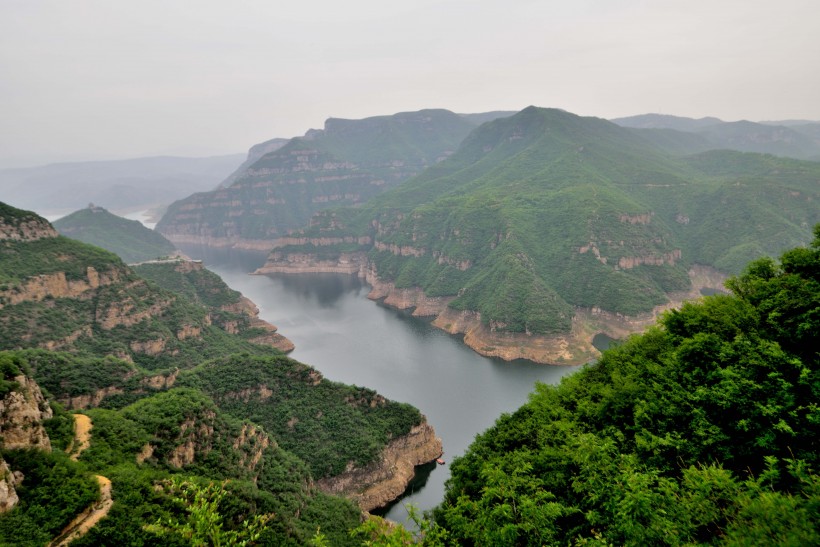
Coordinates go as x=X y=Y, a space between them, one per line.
x=131 y=184
x=346 y=163
x=790 y=138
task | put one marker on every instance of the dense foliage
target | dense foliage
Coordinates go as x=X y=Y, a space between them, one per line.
x=53 y=491
x=705 y=429
x=49 y=255
x=129 y=239
x=544 y=211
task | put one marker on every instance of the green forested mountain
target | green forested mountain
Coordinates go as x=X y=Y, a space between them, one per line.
x=704 y=430
x=544 y=212
x=345 y=164
x=203 y=434
x=128 y=239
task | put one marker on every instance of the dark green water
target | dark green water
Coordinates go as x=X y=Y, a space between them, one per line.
x=351 y=339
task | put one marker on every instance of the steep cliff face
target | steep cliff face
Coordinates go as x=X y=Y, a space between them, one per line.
x=346 y=163
x=22 y=412
x=8 y=492
x=384 y=480
x=56 y=285
x=347 y=263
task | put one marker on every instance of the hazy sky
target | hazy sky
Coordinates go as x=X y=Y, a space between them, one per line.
x=102 y=79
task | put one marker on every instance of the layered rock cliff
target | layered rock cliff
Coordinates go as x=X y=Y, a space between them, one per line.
x=346 y=163
x=571 y=348
x=18 y=225
x=228 y=309
x=385 y=479
x=22 y=412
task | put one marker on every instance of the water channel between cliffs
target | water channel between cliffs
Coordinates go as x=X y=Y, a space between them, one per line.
x=351 y=339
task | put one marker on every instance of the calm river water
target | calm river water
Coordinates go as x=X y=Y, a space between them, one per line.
x=351 y=339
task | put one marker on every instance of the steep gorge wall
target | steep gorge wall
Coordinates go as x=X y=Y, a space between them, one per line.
x=386 y=479
x=22 y=413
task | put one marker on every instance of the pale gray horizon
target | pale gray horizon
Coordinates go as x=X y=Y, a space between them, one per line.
x=97 y=80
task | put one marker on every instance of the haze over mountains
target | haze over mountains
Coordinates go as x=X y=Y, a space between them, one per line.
x=791 y=138
x=128 y=239
x=120 y=185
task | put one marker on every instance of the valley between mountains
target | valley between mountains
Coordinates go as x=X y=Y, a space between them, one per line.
x=526 y=235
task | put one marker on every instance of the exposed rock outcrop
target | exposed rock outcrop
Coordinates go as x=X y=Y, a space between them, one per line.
x=8 y=492
x=269 y=337
x=56 y=285
x=384 y=480
x=22 y=412
x=81 y=402
x=346 y=263
x=26 y=229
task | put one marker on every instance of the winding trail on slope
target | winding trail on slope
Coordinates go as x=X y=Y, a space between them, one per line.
x=82 y=435
x=92 y=514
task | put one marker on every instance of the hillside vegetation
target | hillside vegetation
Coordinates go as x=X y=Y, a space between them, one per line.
x=128 y=239
x=202 y=433
x=705 y=430
x=544 y=212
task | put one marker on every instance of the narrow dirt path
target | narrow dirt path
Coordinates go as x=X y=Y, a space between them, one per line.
x=86 y=520
x=82 y=435
x=92 y=514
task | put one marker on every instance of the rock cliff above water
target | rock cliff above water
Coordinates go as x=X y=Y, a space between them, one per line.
x=384 y=480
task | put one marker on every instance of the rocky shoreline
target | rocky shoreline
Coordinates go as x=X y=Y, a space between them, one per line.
x=573 y=348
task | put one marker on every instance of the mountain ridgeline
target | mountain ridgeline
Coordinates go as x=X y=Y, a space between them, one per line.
x=346 y=163
x=187 y=396
x=553 y=225
x=796 y=139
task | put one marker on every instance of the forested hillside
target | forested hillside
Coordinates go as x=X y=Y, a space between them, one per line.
x=545 y=213
x=186 y=428
x=704 y=430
